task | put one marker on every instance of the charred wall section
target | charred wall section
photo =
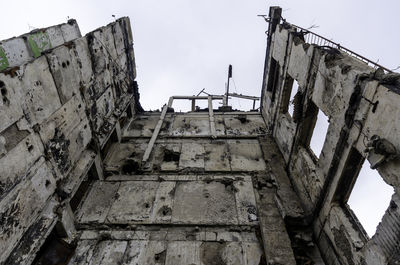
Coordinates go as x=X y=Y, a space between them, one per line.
x=62 y=98
x=361 y=103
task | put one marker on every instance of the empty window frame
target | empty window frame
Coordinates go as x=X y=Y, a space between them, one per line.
x=364 y=191
x=290 y=89
x=319 y=133
x=273 y=78
x=369 y=198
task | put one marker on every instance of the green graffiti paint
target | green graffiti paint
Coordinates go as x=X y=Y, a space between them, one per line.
x=3 y=60
x=39 y=42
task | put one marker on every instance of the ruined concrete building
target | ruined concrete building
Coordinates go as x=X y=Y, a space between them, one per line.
x=88 y=177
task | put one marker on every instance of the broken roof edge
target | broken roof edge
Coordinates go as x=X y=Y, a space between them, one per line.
x=310 y=37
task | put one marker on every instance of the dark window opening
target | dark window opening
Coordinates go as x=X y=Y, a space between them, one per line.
x=76 y=200
x=291 y=87
x=308 y=123
x=83 y=188
x=171 y=156
x=54 y=251
x=107 y=145
x=273 y=78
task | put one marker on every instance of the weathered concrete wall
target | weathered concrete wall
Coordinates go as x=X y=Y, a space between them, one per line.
x=62 y=97
x=362 y=105
x=250 y=192
x=20 y=50
x=227 y=125
x=199 y=188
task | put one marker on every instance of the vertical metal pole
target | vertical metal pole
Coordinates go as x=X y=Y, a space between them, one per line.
x=227 y=84
x=211 y=117
x=193 y=104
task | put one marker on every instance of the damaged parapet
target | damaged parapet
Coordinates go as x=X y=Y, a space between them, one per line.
x=362 y=102
x=62 y=97
x=20 y=50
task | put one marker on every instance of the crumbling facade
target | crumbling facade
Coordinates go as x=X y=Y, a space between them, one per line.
x=62 y=97
x=361 y=101
x=87 y=177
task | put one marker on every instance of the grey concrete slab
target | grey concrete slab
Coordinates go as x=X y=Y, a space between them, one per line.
x=214 y=200
x=41 y=94
x=190 y=204
x=70 y=31
x=167 y=156
x=108 y=252
x=98 y=202
x=154 y=253
x=142 y=126
x=81 y=54
x=16 y=163
x=11 y=109
x=221 y=253
x=66 y=133
x=246 y=155
x=163 y=203
x=216 y=156
x=245 y=202
x=243 y=124
x=16 y=51
x=134 y=202
x=65 y=71
x=204 y=203
x=135 y=252
x=172 y=252
x=219 y=125
x=175 y=233
x=183 y=252
x=252 y=253
x=125 y=157
x=83 y=253
x=192 y=156
x=20 y=208
x=190 y=126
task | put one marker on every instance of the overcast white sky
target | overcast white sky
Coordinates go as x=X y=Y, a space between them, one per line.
x=183 y=46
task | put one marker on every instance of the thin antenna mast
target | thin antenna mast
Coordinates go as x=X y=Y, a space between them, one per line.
x=227 y=85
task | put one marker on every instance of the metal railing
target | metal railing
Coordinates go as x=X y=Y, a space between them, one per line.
x=313 y=38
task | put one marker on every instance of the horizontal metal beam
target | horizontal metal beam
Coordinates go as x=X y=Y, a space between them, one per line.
x=198 y=97
x=243 y=96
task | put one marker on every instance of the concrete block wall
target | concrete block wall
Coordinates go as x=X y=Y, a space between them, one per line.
x=25 y=48
x=361 y=103
x=62 y=97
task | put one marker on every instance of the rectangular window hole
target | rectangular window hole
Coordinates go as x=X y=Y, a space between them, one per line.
x=54 y=250
x=293 y=92
x=369 y=198
x=273 y=78
x=79 y=195
x=319 y=133
x=273 y=75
